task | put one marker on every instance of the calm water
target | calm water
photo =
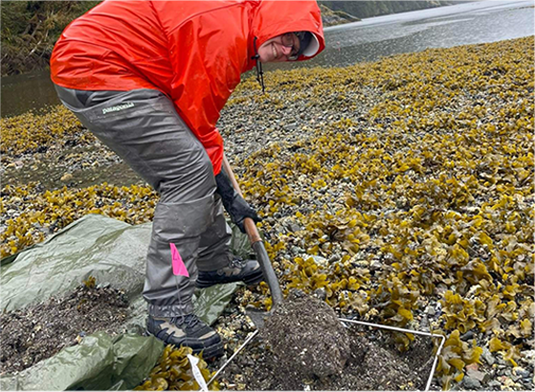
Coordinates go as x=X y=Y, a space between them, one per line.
x=443 y=27
x=368 y=40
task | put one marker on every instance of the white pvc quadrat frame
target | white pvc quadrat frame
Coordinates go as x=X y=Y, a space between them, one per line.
x=343 y=320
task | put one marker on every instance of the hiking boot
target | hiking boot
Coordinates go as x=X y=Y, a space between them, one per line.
x=238 y=270
x=187 y=331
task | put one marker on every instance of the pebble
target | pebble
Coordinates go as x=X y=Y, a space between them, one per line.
x=297 y=250
x=66 y=177
x=528 y=355
x=321 y=294
x=468 y=335
x=471 y=383
x=487 y=356
x=293 y=227
x=477 y=375
x=320 y=260
x=375 y=265
x=494 y=384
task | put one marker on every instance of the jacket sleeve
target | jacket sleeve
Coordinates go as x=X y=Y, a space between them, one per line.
x=207 y=53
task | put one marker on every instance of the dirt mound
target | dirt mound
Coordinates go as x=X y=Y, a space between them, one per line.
x=306 y=335
x=32 y=334
x=298 y=351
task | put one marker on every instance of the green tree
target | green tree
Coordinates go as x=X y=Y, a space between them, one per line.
x=30 y=29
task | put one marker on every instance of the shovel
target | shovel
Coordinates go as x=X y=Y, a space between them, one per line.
x=256 y=315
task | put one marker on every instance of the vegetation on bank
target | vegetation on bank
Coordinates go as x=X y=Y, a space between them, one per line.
x=437 y=202
x=30 y=30
x=333 y=18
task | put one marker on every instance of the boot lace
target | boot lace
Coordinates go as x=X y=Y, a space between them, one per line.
x=189 y=320
x=237 y=262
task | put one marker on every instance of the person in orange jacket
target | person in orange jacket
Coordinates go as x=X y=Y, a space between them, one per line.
x=149 y=79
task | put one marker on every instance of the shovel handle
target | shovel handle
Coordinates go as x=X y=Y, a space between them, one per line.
x=248 y=223
x=258 y=245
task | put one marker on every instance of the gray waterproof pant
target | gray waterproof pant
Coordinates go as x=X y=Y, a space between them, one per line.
x=144 y=129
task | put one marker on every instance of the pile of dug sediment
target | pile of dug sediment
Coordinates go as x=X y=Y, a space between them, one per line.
x=307 y=338
x=304 y=346
x=38 y=332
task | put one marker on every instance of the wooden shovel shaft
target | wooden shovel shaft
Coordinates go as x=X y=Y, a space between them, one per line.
x=257 y=244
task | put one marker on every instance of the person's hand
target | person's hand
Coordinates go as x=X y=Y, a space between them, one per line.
x=239 y=209
x=236 y=206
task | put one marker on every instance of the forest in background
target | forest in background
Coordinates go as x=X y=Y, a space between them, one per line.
x=30 y=28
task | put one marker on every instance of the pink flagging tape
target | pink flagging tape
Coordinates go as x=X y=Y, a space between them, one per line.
x=179 y=268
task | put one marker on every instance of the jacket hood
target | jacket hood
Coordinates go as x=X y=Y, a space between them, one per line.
x=273 y=17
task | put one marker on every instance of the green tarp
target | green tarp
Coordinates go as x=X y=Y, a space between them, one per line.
x=114 y=253
x=97 y=363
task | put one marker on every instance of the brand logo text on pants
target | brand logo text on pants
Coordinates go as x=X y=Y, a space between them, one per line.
x=118 y=108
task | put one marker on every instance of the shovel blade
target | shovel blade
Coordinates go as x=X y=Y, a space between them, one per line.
x=257 y=316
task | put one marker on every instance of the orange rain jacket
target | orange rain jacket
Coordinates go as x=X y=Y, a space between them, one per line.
x=192 y=51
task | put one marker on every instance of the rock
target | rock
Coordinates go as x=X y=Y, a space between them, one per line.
x=375 y=265
x=293 y=227
x=494 y=384
x=477 y=375
x=468 y=335
x=297 y=250
x=334 y=258
x=321 y=294
x=289 y=127
x=521 y=372
x=320 y=260
x=66 y=177
x=279 y=229
x=472 y=366
x=471 y=383
x=527 y=356
x=488 y=357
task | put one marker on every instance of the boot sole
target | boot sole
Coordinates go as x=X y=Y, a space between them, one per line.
x=213 y=351
x=250 y=281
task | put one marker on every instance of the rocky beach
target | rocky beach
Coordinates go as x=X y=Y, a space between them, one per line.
x=399 y=192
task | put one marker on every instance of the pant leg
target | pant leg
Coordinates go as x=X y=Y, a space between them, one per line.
x=214 y=248
x=143 y=128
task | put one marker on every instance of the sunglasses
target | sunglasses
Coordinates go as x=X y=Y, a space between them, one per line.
x=289 y=40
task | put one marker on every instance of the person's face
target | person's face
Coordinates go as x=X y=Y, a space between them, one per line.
x=283 y=47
